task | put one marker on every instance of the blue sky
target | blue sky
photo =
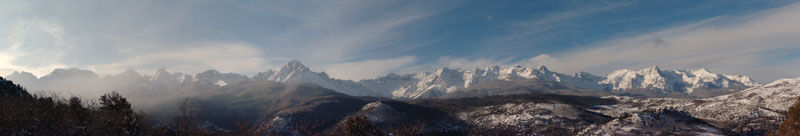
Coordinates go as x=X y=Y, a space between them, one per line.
x=366 y=39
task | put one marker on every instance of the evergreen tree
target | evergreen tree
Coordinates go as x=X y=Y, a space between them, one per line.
x=118 y=115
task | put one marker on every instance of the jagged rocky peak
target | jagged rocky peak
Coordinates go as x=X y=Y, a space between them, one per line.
x=627 y=79
x=215 y=77
x=264 y=76
x=447 y=72
x=291 y=70
x=703 y=73
x=542 y=70
x=492 y=68
x=652 y=71
x=653 y=68
x=207 y=77
x=294 y=70
x=209 y=72
x=674 y=80
x=649 y=70
x=294 y=65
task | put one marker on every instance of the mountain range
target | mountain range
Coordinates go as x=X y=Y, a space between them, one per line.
x=431 y=84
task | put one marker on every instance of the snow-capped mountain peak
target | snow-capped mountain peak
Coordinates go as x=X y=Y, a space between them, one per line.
x=290 y=72
x=674 y=80
x=294 y=65
x=214 y=77
x=628 y=79
x=264 y=76
x=296 y=72
x=162 y=76
x=442 y=81
x=445 y=80
x=743 y=79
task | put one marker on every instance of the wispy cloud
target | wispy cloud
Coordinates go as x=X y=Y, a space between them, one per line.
x=762 y=45
x=370 y=68
x=349 y=39
x=350 y=30
x=191 y=36
x=33 y=45
x=377 y=36
x=729 y=44
x=554 y=21
x=226 y=57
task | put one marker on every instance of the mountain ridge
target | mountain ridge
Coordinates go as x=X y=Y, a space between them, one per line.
x=441 y=81
x=757 y=109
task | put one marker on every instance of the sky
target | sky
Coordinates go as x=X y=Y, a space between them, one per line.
x=363 y=39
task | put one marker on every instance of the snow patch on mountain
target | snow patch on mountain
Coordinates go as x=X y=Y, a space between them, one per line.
x=654 y=122
x=220 y=83
x=750 y=109
x=770 y=100
x=532 y=117
x=379 y=112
